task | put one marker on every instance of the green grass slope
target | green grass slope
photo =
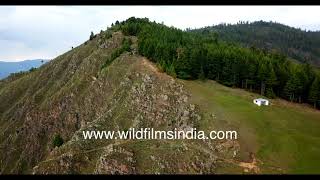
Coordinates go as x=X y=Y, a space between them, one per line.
x=285 y=137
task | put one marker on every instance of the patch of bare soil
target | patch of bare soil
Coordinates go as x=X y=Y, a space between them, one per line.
x=250 y=166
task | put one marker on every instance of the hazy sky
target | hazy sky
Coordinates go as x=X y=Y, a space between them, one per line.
x=31 y=32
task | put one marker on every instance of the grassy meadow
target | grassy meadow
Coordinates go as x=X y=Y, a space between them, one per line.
x=285 y=137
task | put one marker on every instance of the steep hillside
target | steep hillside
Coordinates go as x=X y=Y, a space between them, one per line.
x=76 y=91
x=300 y=45
x=141 y=97
x=54 y=99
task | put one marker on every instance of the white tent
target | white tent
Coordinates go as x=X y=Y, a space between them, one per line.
x=261 y=101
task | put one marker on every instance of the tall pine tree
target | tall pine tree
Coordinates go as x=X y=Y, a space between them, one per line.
x=314 y=93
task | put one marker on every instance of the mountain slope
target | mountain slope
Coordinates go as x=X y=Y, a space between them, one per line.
x=72 y=92
x=6 y=68
x=143 y=97
x=295 y=43
x=105 y=85
x=51 y=100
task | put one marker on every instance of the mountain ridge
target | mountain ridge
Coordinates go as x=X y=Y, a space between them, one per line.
x=8 y=67
x=297 y=43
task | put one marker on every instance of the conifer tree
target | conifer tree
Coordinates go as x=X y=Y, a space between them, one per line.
x=91 y=36
x=314 y=93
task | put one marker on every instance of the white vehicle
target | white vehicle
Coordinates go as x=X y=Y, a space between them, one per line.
x=261 y=101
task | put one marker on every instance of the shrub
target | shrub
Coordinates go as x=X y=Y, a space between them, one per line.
x=108 y=35
x=32 y=69
x=171 y=71
x=57 y=141
x=91 y=36
x=126 y=43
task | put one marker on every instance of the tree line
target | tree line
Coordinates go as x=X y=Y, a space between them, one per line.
x=192 y=55
x=296 y=43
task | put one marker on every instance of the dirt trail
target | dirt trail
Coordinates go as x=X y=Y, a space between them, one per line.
x=151 y=66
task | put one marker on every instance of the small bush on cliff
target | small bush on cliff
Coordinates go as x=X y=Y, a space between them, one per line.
x=57 y=141
x=32 y=69
x=91 y=36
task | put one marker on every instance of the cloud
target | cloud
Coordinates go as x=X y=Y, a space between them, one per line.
x=47 y=31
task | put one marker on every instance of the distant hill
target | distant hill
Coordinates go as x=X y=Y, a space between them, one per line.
x=298 y=44
x=6 y=68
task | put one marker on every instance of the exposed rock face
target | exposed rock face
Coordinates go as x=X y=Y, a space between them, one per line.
x=111 y=165
x=113 y=42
